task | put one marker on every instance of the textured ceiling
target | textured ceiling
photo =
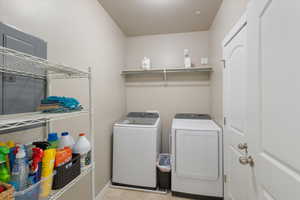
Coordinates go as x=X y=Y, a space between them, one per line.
x=145 y=17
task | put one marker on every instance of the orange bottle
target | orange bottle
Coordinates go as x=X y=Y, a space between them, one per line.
x=63 y=156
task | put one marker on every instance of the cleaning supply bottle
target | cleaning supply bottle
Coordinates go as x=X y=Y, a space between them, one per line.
x=53 y=140
x=11 y=156
x=42 y=145
x=83 y=147
x=66 y=140
x=63 y=156
x=10 y=144
x=35 y=168
x=20 y=171
x=47 y=172
x=4 y=169
x=2 y=144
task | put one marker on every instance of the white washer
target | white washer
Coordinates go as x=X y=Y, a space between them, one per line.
x=197 y=156
x=136 y=145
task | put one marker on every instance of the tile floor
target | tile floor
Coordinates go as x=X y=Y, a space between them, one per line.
x=122 y=194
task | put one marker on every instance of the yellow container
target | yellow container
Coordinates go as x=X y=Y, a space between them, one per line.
x=10 y=144
x=47 y=172
x=2 y=144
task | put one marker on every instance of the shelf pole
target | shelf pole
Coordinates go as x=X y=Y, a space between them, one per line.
x=48 y=93
x=91 y=129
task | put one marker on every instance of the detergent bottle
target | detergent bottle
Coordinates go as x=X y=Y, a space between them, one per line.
x=20 y=170
x=4 y=169
x=2 y=144
x=47 y=172
x=83 y=147
x=53 y=140
x=35 y=168
x=66 y=140
x=11 y=156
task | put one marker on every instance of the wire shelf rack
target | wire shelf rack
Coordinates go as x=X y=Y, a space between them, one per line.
x=17 y=63
x=13 y=62
x=27 y=119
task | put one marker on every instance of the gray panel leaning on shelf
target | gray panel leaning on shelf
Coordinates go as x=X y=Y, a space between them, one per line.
x=1 y=76
x=21 y=94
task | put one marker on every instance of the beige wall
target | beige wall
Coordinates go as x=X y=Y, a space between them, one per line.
x=228 y=14
x=79 y=33
x=182 y=92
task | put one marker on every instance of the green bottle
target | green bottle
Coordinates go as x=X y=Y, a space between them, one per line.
x=4 y=172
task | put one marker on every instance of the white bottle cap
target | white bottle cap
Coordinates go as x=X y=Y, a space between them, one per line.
x=21 y=153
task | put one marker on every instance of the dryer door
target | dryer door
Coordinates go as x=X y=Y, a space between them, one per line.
x=197 y=154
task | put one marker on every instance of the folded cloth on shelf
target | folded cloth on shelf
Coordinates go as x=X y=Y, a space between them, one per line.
x=60 y=104
x=63 y=110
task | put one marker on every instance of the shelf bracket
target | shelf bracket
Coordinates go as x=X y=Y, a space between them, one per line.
x=165 y=74
x=224 y=63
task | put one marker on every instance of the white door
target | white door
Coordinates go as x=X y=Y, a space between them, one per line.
x=273 y=98
x=235 y=55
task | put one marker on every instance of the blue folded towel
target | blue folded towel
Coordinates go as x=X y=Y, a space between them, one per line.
x=67 y=103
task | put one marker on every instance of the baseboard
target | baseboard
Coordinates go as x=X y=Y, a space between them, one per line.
x=100 y=195
x=138 y=189
x=192 y=196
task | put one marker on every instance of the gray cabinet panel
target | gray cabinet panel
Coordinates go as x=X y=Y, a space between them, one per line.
x=1 y=75
x=22 y=94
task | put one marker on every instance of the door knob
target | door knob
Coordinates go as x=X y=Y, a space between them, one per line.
x=243 y=146
x=247 y=160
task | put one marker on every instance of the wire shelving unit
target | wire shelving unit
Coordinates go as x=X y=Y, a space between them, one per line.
x=18 y=63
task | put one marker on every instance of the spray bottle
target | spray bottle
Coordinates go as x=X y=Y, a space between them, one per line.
x=35 y=168
x=42 y=145
x=20 y=170
x=4 y=169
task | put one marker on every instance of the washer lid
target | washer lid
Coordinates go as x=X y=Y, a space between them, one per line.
x=192 y=116
x=191 y=124
x=138 y=121
x=142 y=115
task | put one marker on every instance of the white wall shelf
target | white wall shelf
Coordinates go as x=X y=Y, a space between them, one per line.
x=165 y=71
x=27 y=65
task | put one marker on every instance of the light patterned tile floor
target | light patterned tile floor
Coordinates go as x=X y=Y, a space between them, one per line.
x=122 y=194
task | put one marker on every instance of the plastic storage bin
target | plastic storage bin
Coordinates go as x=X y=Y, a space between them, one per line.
x=38 y=191
x=67 y=172
x=164 y=171
x=8 y=193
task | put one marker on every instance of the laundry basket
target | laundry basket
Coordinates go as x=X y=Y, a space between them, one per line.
x=8 y=193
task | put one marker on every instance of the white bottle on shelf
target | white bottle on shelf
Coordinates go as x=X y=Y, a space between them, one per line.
x=146 y=63
x=66 y=140
x=187 y=59
x=83 y=147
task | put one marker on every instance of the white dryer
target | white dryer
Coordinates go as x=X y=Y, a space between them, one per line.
x=197 y=157
x=136 y=145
